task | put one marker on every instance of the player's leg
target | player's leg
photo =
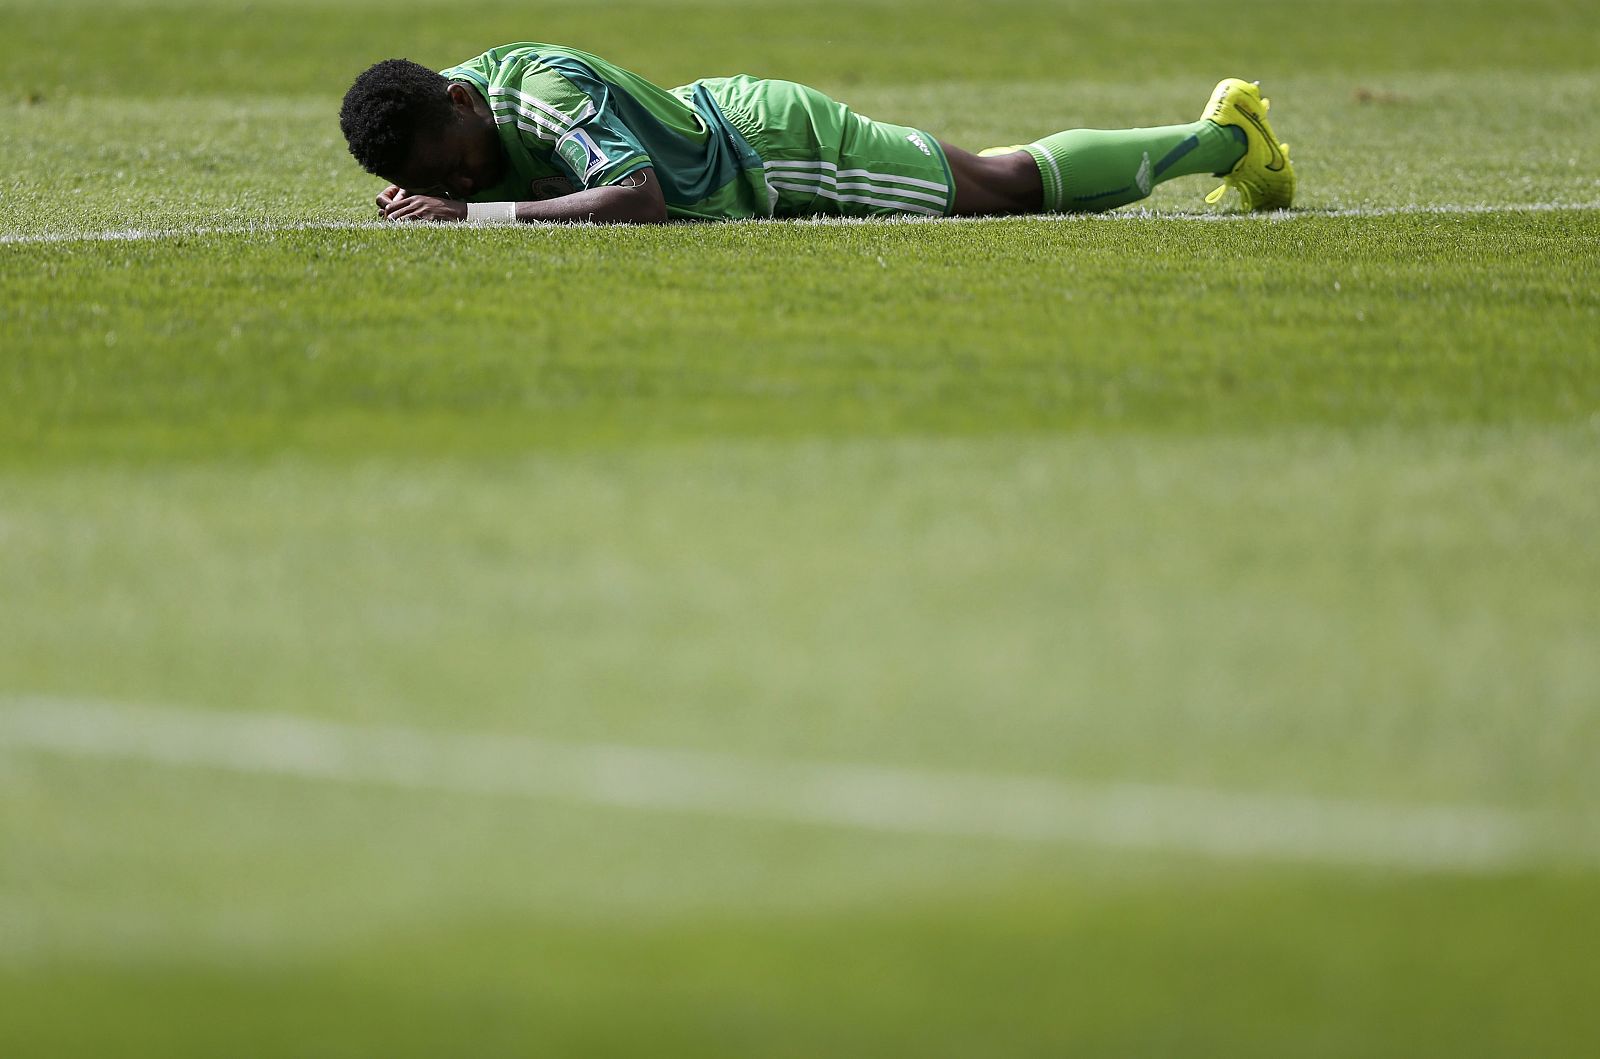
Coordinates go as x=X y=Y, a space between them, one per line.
x=887 y=169
x=999 y=184
x=1088 y=170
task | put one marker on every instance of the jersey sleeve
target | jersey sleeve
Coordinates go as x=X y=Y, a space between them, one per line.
x=574 y=117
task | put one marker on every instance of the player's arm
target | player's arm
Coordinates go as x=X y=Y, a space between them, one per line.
x=634 y=199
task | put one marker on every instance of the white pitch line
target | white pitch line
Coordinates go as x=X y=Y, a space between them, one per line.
x=138 y=235
x=1312 y=213
x=869 y=797
x=1277 y=217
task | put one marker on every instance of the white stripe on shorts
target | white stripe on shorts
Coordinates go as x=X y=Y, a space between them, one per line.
x=888 y=178
x=827 y=180
x=829 y=193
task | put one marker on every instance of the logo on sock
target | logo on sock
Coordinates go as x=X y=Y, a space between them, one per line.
x=1142 y=177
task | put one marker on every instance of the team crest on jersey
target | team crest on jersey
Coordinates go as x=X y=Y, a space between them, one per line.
x=578 y=149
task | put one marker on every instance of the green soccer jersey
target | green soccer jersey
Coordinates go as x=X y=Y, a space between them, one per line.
x=570 y=121
x=721 y=147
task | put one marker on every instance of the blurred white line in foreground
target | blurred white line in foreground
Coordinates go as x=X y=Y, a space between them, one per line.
x=872 y=797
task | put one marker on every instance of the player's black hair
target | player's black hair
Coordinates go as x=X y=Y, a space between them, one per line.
x=387 y=106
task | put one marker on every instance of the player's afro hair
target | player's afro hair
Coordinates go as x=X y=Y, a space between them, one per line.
x=387 y=106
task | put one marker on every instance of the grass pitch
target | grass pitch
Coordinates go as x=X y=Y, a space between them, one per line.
x=1293 y=518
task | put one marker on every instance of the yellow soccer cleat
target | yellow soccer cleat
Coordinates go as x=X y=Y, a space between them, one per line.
x=1264 y=177
x=990 y=152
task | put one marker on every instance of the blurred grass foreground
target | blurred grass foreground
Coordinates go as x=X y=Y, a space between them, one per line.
x=1157 y=634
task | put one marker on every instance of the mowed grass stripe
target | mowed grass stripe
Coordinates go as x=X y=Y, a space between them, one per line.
x=897 y=800
x=343 y=343
x=1274 y=216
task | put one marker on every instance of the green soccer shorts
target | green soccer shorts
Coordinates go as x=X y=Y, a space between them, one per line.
x=820 y=157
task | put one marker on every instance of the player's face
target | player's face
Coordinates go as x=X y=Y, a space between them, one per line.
x=457 y=161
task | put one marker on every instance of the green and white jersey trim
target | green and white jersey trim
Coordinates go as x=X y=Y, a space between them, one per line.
x=532 y=114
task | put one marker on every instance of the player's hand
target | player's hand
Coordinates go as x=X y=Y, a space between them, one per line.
x=388 y=195
x=404 y=207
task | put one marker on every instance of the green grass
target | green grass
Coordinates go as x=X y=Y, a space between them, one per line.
x=292 y=346
x=1290 y=508
x=1031 y=971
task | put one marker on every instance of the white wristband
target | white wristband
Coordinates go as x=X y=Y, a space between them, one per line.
x=491 y=211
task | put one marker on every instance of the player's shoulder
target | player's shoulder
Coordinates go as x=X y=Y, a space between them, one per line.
x=508 y=63
x=529 y=86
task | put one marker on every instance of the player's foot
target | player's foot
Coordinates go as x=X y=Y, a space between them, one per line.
x=990 y=152
x=1264 y=177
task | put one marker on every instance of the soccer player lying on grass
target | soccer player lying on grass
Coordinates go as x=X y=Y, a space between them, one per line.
x=537 y=132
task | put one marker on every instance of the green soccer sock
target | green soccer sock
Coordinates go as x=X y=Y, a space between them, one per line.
x=1086 y=170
